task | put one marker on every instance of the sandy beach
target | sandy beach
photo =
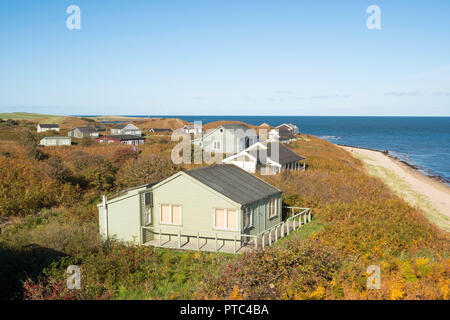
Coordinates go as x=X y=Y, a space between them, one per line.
x=420 y=190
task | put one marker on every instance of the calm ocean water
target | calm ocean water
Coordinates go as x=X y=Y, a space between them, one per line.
x=421 y=141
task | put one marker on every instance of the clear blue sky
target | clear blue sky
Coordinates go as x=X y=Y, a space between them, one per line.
x=229 y=57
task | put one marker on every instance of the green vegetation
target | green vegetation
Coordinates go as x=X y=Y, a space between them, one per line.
x=48 y=207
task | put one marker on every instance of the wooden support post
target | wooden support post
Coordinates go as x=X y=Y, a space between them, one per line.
x=216 y=241
x=282 y=230
x=309 y=216
x=270 y=237
x=262 y=241
x=179 y=238
x=304 y=218
x=198 y=241
x=287 y=224
x=276 y=234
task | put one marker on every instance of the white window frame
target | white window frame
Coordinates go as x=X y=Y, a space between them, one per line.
x=171 y=214
x=273 y=202
x=226 y=219
x=219 y=144
x=249 y=217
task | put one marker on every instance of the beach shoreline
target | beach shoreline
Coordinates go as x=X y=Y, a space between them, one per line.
x=427 y=192
x=435 y=177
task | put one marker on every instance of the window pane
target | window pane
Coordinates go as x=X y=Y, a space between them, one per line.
x=220 y=218
x=232 y=214
x=165 y=213
x=147 y=198
x=176 y=212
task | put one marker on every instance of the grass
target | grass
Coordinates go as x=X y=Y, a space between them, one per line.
x=25 y=116
x=304 y=232
x=404 y=190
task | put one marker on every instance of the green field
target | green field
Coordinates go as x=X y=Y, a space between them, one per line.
x=25 y=116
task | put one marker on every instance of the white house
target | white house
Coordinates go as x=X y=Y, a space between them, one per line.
x=55 y=141
x=289 y=126
x=126 y=128
x=81 y=132
x=268 y=157
x=41 y=127
x=281 y=135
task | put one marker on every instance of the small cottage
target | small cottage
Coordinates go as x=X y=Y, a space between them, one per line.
x=82 y=132
x=290 y=127
x=47 y=127
x=125 y=139
x=281 y=135
x=160 y=130
x=126 y=129
x=55 y=141
x=268 y=158
x=221 y=200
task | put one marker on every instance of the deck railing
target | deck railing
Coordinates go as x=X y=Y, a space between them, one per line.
x=239 y=241
x=284 y=228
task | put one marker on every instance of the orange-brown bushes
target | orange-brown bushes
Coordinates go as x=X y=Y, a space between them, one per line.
x=292 y=271
x=366 y=224
x=145 y=169
x=25 y=188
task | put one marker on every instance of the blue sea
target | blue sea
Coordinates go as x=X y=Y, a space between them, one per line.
x=423 y=142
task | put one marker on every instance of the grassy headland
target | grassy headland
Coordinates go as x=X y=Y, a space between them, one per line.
x=50 y=222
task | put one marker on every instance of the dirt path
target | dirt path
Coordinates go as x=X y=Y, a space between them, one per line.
x=432 y=196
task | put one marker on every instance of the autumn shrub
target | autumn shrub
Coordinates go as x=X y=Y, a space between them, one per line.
x=28 y=139
x=58 y=170
x=87 y=142
x=93 y=171
x=122 y=155
x=146 y=169
x=25 y=188
x=35 y=153
x=292 y=271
